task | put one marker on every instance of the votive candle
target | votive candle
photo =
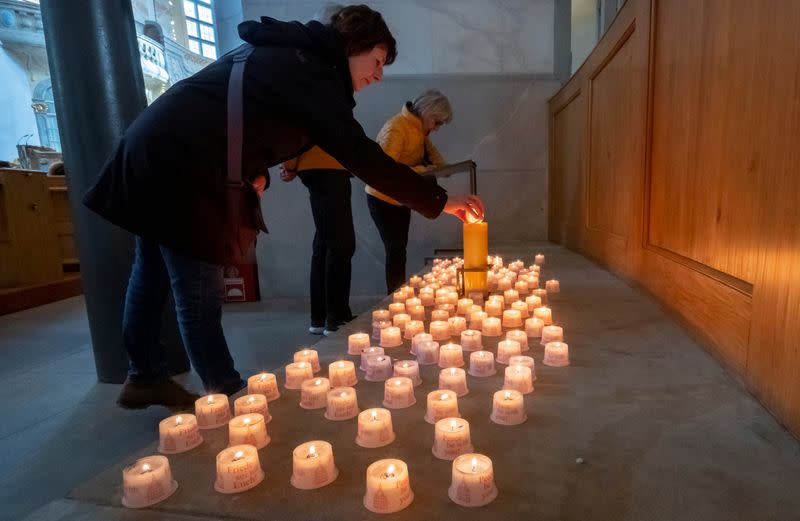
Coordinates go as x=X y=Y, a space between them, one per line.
x=491 y=327
x=178 y=433
x=342 y=374
x=398 y=393
x=481 y=364
x=356 y=342
x=441 y=404
x=472 y=482
x=388 y=487
x=454 y=379
x=238 y=469
x=342 y=404
x=314 y=393
x=297 y=373
x=212 y=411
x=264 y=383
x=508 y=407
x=556 y=354
x=409 y=368
x=248 y=428
x=313 y=465
x=451 y=438
x=375 y=428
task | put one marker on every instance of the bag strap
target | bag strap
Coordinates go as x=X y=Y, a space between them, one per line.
x=236 y=115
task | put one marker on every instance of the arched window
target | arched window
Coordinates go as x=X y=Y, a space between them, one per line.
x=44 y=109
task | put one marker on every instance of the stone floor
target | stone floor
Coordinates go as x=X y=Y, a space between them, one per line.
x=644 y=425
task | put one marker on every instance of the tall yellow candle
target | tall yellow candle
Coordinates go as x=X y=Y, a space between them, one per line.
x=476 y=250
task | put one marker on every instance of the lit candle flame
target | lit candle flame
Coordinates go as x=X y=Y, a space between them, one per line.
x=482 y=354
x=301 y=365
x=398 y=382
x=239 y=455
x=178 y=420
x=390 y=471
x=343 y=394
x=444 y=396
x=263 y=377
x=453 y=425
x=519 y=369
x=210 y=400
x=474 y=465
x=405 y=364
x=312 y=452
x=251 y=399
x=452 y=372
x=508 y=395
x=317 y=381
x=247 y=421
x=146 y=468
x=305 y=352
x=373 y=416
x=341 y=364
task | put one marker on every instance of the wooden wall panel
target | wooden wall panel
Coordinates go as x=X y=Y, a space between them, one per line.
x=566 y=163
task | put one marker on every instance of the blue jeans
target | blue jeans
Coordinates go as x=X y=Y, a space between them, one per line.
x=197 y=288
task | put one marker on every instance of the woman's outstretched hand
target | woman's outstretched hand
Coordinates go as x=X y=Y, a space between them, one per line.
x=468 y=208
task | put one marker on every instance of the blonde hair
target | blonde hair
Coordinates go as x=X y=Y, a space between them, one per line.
x=434 y=104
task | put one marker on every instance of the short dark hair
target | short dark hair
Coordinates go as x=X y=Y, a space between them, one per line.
x=363 y=29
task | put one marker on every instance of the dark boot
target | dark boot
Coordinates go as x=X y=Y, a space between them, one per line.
x=165 y=392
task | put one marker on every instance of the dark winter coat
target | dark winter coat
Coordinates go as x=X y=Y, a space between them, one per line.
x=166 y=179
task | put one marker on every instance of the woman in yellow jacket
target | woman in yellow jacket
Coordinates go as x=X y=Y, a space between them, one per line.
x=328 y=184
x=405 y=138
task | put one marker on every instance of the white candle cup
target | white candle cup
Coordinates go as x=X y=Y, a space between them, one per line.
x=391 y=337
x=367 y=353
x=427 y=298
x=476 y=320
x=508 y=408
x=178 y=433
x=522 y=287
x=451 y=438
x=533 y=283
x=417 y=312
x=250 y=429
x=264 y=383
x=400 y=320
x=538 y=259
x=379 y=326
x=542 y=294
x=252 y=403
x=396 y=308
x=510 y=295
x=310 y=356
x=504 y=283
x=494 y=308
x=552 y=334
x=454 y=379
x=545 y=314
x=417 y=339
x=413 y=328
x=379 y=368
x=375 y=428
x=533 y=327
x=356 y=342
x=481 y=364
x=522 y=307
x=238 y=469
x=439 y=315
x=519 y=336
x=472 y=483
x=491 y=327
x=342 y=404
x=519 y=378
x=212 y=411
x=471 y=340
x=441 y=404
x=411 y=302
x=552 y=286
x=472 y=309
x=463 y=305
x=452 y=301
x=409 y=291
x=448 y=307
x=440 y=330
x=388 y=487
x=399 y=296
x=556 y=354
x=410 y=369
x=314 y=393
x=451 y=355
x=511 y=318
x=526 y=361
x=147 y=481
x=313 y=465
x=381 y=314
x=342 y=374
x=442 y=292
x=398 y=393
x=297 y=373
x=428 y=352
x=506 y=349
x=457 y=325
x=533 y=302
x=415 y=281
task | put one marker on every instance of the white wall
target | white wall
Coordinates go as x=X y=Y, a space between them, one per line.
x=17 y=115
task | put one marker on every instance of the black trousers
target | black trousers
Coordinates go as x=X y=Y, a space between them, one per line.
x=392 y=223
x=333 y=247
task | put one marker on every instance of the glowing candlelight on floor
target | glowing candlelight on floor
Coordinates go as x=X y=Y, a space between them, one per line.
x=416 y=312
x=522 y=307
x=519 y=378
x=506 y=349
x=552 y=334
x=417 y=339
x=510 y=295
x=527 y=361
x=463 y=305
x=399 y=296
x=367 y=353
x=388 y=487
x=147 y=481
x=441 y=404
x=522 y=287
x=481 y=364
x=379 y=326
x=508 y=408
x=250 y=429
x=428 y=352
x=415 y=281
x=252 y=403
x=494 y=307
x=381 y=314
x=178 y=433
x=440 y=330
x=519 y=336
x=398 y=393
x=544 y=314
x=457 y=325
x=556 y=354
x=476 y=319
x=504 y=283
x=533 y=327
x=375 y=428
x=400 y=320
x=473 y=481
x=238 y=469
x=342 y=374
x=391 y=337
x=411 y=302
x=427 y=298
x=310 y=356
x=342 y=404
x=356 y=342
x=297 y=373
x=314 y=393
x=264 y=383
x=542 y=294
x=451 y=438
x=408 y=368
x=552 y=286
x=212 y=411
x=454 y=379
x=379 y=368
x=396 y=308
x=538 y=259
x=491 y=327
x=413 y=328
x=448 y=308
x=451 y=355
x=511 y=318
x=409 y=291
x=313 y=465
x=471 y=340
x=439 y=315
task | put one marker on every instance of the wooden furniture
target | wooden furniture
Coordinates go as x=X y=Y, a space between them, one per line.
x=674 y=162
x=62 y=220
